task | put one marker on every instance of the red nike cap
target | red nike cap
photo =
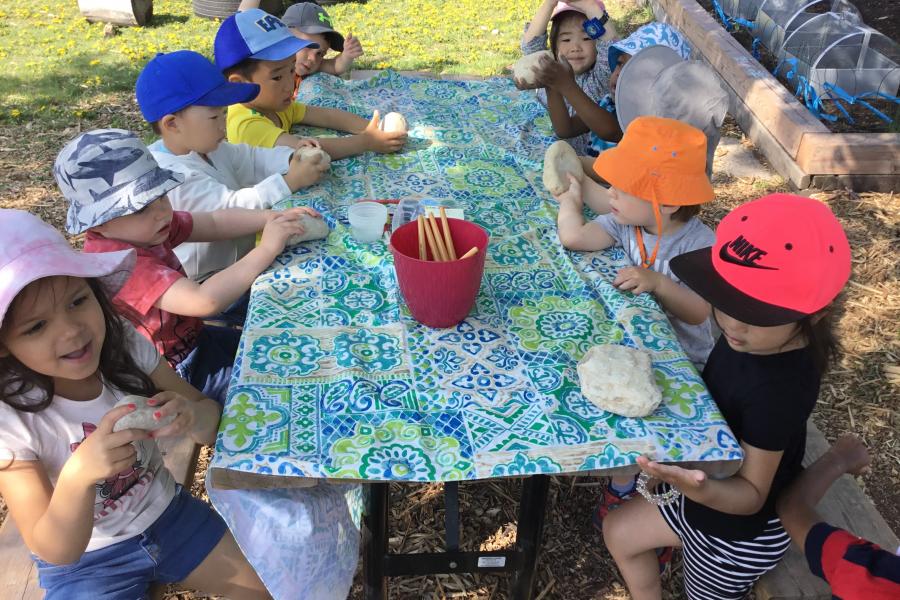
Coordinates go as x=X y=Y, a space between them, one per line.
x=776 y=260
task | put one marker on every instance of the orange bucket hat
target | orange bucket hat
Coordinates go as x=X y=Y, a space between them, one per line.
x=662 y=161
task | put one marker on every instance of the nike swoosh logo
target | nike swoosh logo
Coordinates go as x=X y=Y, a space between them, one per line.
x=729 y=258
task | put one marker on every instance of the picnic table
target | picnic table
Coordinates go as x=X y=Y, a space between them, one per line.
x=334 y=380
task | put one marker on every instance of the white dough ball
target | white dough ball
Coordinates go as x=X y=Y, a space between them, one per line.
x=394 y=121
x=308 y=152
x=619 y=379
x=314 y=228
x=524 y=69
x=142 y=416
x=560 y=159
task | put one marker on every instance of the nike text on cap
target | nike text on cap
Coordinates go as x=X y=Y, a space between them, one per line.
x=775 y=261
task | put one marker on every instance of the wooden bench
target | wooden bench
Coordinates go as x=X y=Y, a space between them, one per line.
x=18 y=575
x=845 y=505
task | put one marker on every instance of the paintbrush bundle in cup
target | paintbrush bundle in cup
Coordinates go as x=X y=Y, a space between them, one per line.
x=437 y=239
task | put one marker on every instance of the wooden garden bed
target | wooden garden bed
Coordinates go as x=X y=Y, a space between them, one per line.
x=797 y=144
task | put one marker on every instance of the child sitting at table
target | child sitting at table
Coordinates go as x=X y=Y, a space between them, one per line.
x=658 y=180
x=776 y=267
x=98 y=509
x=580 y=34
x=117 y=194
x=855 y=569
x=183 y=96
x=255 y=47
x=309 y=21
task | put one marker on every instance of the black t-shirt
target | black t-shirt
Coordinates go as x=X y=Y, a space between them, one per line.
x=766 y=401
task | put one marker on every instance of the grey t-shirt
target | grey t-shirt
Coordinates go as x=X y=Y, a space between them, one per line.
x=697 y=340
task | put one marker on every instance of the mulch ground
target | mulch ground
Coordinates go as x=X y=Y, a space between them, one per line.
x=857 y=395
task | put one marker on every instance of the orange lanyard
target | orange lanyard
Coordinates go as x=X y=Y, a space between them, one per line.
x=638 y=233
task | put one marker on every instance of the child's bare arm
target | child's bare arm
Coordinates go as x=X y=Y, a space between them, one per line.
x=352 y=50
x=595 y=118
x=564 y=124
x=595 y=196
x=192 y=299
x=56 y=521
x=227 y=223
x=539 y=22
x=796 y=506
x=329 y=65
x=574 y=233
x=679 y=300
x=559 y=79
x=368 y=137
x=744 y=493
x=333 y=118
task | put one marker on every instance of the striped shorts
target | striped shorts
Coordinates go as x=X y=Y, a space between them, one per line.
x=717 y=569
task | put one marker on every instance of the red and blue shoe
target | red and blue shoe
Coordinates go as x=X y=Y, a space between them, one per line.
x=610 y=500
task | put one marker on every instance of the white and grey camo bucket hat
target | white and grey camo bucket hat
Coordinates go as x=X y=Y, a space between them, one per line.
x=108 y=173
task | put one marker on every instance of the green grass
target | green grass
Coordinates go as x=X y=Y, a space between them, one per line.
x=58 y=67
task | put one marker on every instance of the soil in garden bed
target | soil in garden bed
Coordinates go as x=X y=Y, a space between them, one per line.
x=883 y=15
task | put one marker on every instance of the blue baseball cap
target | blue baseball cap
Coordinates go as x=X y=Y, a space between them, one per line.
x=171 y=82
x=255 y=34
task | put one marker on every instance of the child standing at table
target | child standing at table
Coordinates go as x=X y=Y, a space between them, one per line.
x=658 y=181
x=117 y=194
x=98 y=509
x=580 y=34
x=255 y=47
x=776 y=266
x=183 y=96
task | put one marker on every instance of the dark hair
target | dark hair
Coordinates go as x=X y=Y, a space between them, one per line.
x=686 y=213
x=818 y=329
x=154 y=125
x=556 y=24
x=246 y=68
x=117 y=367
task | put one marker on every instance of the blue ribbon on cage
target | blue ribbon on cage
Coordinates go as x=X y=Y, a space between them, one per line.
x=754 y=48
x=840 y=94
x=790 y=74
x=726 y=21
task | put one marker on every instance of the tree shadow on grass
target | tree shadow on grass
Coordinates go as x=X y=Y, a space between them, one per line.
x=68 y=87
x=161 y=20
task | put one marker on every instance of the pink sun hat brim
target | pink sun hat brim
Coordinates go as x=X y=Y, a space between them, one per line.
x=32 y=250
x=563 y=7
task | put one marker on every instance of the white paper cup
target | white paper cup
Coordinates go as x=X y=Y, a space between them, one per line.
x=367 y=220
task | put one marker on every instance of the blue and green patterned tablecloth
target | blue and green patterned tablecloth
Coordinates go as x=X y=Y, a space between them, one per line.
x=335 y=379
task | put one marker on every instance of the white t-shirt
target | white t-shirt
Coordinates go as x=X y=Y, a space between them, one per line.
x=125 y=505
x=235 y=176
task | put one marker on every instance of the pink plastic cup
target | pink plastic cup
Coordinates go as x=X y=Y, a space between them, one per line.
x=439 y=294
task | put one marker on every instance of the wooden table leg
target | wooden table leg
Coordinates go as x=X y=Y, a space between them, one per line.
x=375 y=541
x=528 y=535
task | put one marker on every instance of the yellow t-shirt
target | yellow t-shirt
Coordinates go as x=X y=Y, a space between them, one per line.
x=247 y=126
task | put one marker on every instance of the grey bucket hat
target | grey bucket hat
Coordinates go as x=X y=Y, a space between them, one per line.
x=309 y=17
x=108 y=173
x=658 y=82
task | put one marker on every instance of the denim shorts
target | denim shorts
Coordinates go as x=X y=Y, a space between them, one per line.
x=208 y=366
x=168 y=551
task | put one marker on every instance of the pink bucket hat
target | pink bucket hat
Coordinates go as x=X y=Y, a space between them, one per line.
x=32 y=250
x=563 y=6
